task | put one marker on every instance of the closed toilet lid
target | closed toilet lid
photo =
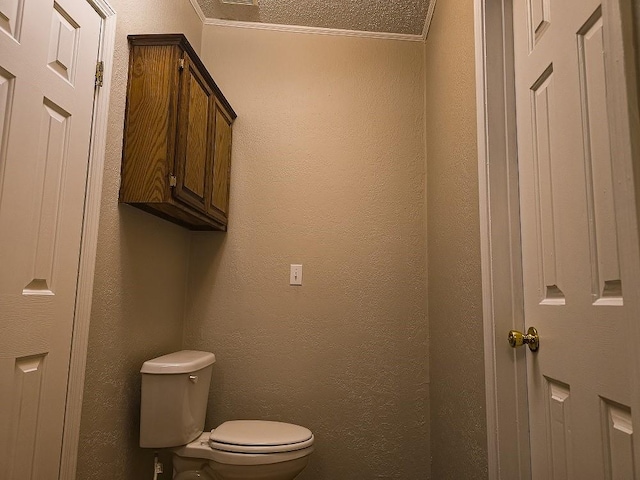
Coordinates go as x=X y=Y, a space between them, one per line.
x=259 y=436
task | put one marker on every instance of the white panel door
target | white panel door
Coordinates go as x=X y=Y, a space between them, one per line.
x=579 y=383
x=48 y=53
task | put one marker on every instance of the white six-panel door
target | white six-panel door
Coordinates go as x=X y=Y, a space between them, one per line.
x=48 y=53
x=579 y=382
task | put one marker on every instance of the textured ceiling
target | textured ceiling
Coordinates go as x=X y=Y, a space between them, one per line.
x=388 y=16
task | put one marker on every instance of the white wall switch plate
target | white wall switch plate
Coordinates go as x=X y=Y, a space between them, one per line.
x=295 y=277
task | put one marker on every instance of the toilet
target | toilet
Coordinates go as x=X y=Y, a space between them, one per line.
x=175 y=390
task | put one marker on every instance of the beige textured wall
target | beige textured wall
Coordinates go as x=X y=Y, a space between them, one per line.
x=458 y=426
x=141 y=268
x=328 y=171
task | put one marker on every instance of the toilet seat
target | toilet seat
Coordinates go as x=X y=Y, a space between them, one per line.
x=259 y=436
x=261 y=446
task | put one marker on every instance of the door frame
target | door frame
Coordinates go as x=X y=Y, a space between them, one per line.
x=84 y=290
x=507 y=419
x=502 y=290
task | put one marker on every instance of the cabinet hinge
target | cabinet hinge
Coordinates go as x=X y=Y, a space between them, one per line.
x=173 y=181
x=99 y=73
x=181 y=64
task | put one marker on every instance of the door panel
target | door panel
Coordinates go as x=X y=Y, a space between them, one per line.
x=63 y=44
x=542 y=96
x=580 y=384
x=617 y=428
x=48 y=54
x=194 y=152
x=558 y=397
x=539 y=20
x=222 y=162
x=11 y=17
x=194 y=174
x=603 y=238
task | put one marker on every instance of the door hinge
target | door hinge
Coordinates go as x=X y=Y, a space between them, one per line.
x=99 y=73
x=173 y=181
x=181 y=64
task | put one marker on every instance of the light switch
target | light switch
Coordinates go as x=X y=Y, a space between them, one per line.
x=295 y=275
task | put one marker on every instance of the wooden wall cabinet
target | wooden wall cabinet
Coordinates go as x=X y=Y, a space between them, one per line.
x=176 y=156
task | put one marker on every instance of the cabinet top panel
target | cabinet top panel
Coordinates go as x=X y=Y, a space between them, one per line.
x=181 y=41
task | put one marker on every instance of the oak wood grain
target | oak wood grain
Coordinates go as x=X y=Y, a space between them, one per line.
x=222 y=160
x=149 y=138
x=177 y=123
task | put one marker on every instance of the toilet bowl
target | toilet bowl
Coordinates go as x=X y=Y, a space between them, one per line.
x=175 y=389
x=245 y=450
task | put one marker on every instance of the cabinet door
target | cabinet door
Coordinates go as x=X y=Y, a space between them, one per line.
x=219 y=199
x=194 y=150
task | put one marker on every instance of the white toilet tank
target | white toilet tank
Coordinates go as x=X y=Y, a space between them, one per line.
x=175 y=389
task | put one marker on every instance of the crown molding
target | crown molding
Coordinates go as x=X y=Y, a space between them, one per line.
x=316 y=30
x=427 y=21
x=199 y=12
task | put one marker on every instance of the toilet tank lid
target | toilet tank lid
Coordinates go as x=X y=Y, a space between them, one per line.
x=184 y=361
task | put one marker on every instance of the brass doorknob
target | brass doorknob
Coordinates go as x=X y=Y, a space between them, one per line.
x=517 y=339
